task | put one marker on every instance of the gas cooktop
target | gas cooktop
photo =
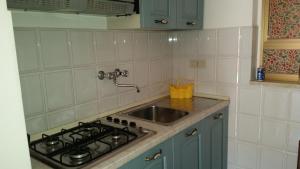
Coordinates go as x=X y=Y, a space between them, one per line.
x=81 y=146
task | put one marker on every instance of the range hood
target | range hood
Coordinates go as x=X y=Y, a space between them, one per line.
x=98 y=7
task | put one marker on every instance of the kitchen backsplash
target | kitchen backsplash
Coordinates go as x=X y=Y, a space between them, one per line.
x=59 y=68
x=59 y=84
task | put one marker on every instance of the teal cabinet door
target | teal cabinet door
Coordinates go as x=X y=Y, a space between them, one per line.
x=159 y=157
x=214 y=143
x=158 y=14
x=190 y=14
x=187 y=148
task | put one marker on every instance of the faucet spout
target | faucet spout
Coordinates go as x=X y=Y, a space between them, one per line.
x=129 y=85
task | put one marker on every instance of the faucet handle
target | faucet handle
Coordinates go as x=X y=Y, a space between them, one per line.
x=125 y=73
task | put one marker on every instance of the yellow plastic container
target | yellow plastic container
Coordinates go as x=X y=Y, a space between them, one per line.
x=181 y=91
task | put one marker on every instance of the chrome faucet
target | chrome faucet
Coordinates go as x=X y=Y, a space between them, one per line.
x=114 y=76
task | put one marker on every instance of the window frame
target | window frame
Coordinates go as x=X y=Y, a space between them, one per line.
x=275 y=44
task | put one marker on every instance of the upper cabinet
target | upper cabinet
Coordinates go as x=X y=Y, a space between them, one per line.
x=190 y=14
x=159 y=14
x=162 y=15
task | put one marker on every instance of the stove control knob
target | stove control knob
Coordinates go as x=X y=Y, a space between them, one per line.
x=132 y=124
x=124 y=122
x=108 y=118
x=116 y=120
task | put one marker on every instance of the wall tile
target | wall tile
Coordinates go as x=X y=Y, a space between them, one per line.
x=178 y=44
x=36 y=124
x=232 y=151
x=248 y=128
x=166 y=45
x=155 y=48
x=291 y=161
x=249 y=100
x=227 y=70
x=247 y=155
x=158 y=89
x=245 y=71
x=191 y=43
x=293 y=138
x=108 y=103
x=143 y=94
x=27 y=50
x=140 y=48
x=155 y=74
x=274 y=133
x=86 y=110
x=275 y=103
x=232 y=125
x=55 y=48
x=59 y=89
x=127 y=98
x=32 y=94
x=246 y=41
x=105 y=47
x=207 y=73
x=208 y=88
x=141 y=73
x=59 y=118
x=295 y=106
x=82 y=48
x=124 y=46
x=228 y=90
x=208 y=43
x=228 y=42
x=85 y=84
x=271 y=159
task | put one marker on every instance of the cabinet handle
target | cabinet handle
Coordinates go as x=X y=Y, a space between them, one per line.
x=194 y=132
x=162 y=21
x=191 y=23
x=218 y=116
x=154 y=157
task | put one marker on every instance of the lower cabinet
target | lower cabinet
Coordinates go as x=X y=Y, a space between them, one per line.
x=187 y=148
x=159 y=157
x=201 y=146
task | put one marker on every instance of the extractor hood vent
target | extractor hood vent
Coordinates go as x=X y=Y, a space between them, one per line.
x=100 y=7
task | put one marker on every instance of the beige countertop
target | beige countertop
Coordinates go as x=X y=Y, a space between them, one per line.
x=198 y=109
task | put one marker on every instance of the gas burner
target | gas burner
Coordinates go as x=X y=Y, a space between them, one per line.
x=79 y=154
x=52 y=141
x=115 y=136
x=89 y=131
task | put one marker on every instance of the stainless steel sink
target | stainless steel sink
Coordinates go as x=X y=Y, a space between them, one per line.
x=165 y=116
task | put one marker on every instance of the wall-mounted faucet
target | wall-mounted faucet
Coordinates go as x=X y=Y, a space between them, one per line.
x=114 y=76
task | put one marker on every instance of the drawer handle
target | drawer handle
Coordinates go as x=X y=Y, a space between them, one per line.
x=191 y=23
x=194 y=132
x=154 y=157
x=162 y=21
x=218 y=116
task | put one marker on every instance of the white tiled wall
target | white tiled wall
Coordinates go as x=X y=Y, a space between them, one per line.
x=264 y=121
x=59 y=68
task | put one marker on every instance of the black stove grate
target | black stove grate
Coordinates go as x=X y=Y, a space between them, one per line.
x=92 y=139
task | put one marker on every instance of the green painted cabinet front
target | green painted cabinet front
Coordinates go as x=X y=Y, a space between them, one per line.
x=159 y=157
x=187 y=148
x=158 y=14
x=190 y=14
x=214 y=143
x=201 y=146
